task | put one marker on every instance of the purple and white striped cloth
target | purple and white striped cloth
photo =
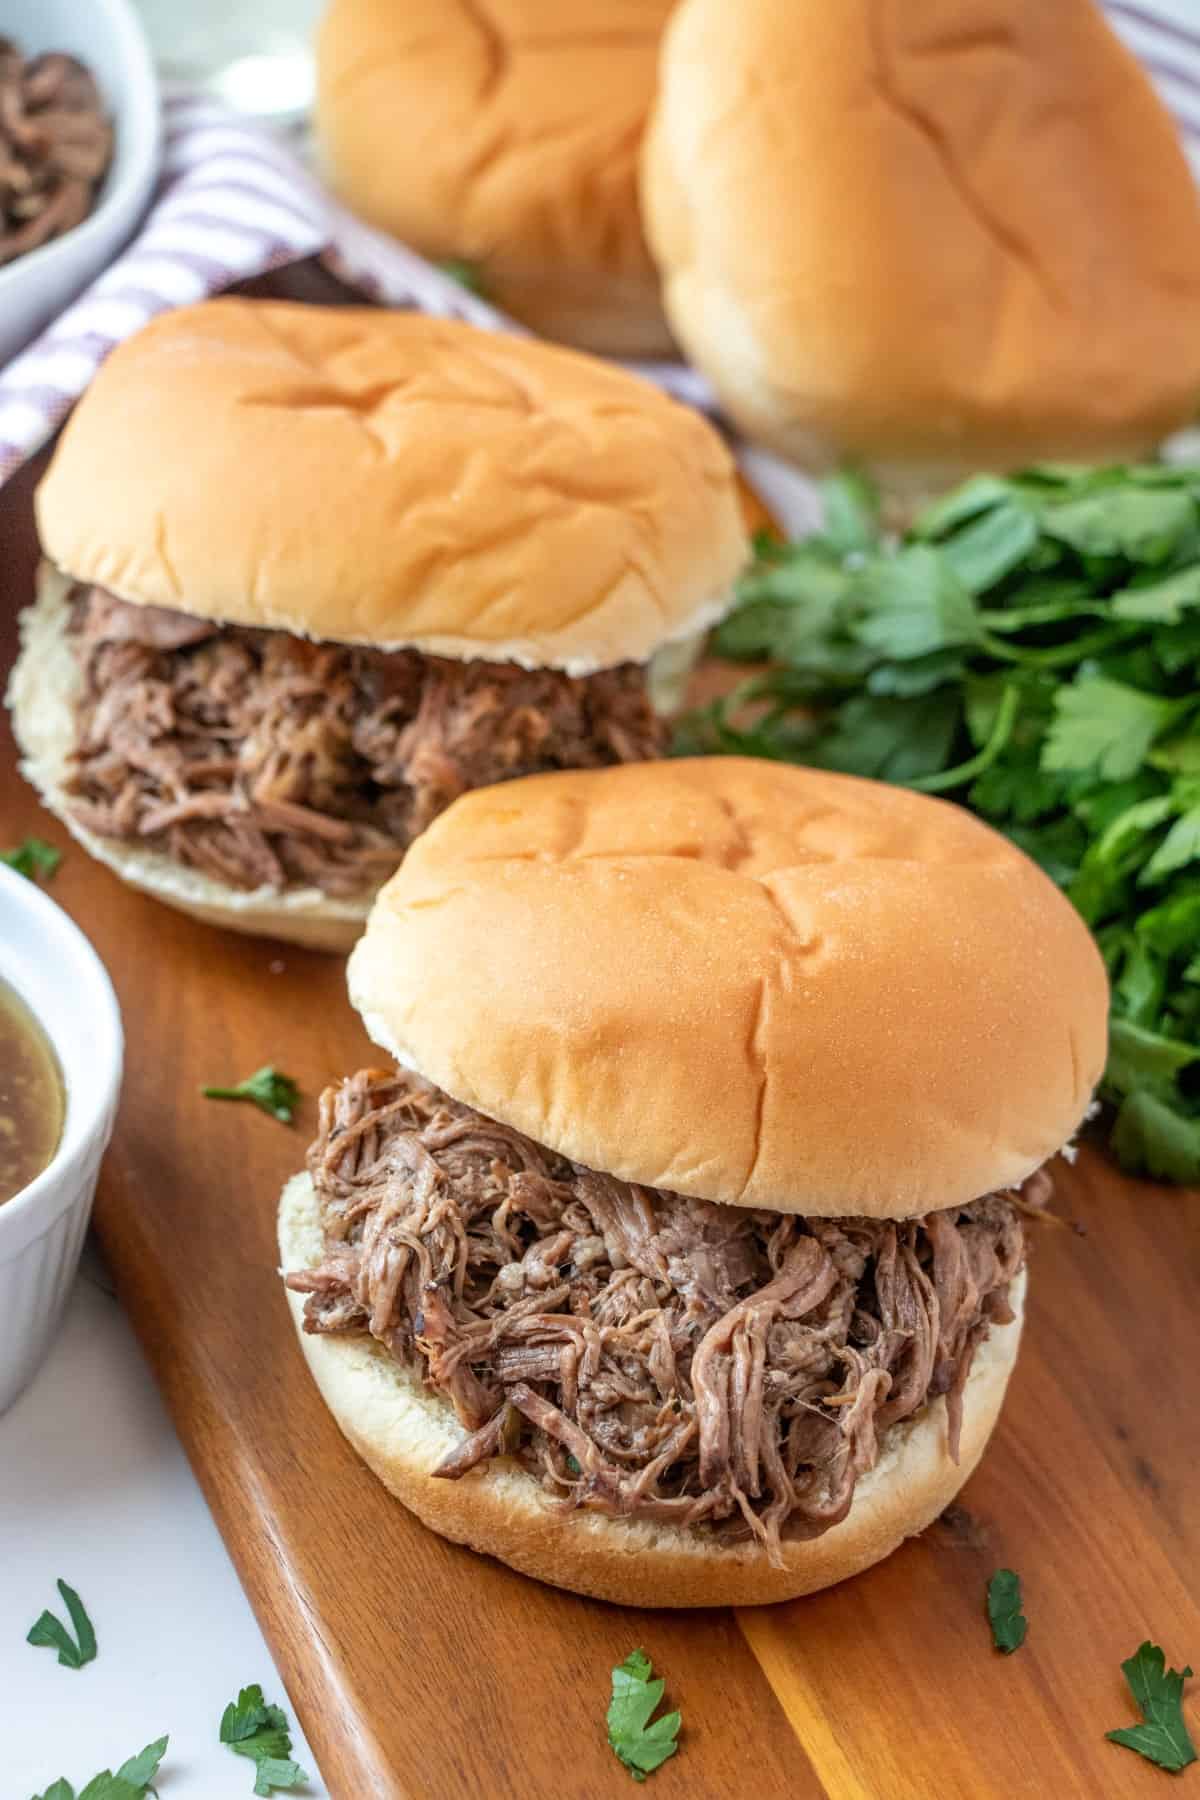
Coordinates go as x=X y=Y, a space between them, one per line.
x=234 y=201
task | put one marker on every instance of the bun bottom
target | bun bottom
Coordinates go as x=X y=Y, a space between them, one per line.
x=402 y=1432
x=41 y=695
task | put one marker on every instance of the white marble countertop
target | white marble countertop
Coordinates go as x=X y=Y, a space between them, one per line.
x=95 y=1488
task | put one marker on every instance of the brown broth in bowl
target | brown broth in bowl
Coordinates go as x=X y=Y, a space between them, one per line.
x=32 y=1101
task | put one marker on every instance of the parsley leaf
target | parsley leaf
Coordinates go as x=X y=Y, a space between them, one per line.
x=49 y=1631
x=252 y=1728
x=990 y=547
x=1128 y=523
x=274 y=1093
x=467 y=274
x=33 y=858
x=275 y=1772
x=1104 y=728
x=1008 y=1623
x=890 y=739
x=132 y=1780
x=1180 y=846
x=1149 y=1133
x=851 y=508
x=641 y=1745
x=1162 y=1737
x=912 y=604
x=244 y=1716
x=141 y=1769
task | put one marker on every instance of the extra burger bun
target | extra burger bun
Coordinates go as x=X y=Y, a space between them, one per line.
x=402 y=1432
x=751 y=983
x=507 y=135
x=389 y=479
x=42 y=695
x=928 y=238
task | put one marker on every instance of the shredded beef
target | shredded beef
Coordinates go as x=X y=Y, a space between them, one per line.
x=56 y=144
x=644 y=1354
x=262 y=758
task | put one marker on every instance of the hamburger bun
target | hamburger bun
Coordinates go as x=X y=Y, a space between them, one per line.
x=506 y=135
x=42 y=695
x=928 y=239
x=394 y=480
x=755 y=984
x=402 y=1431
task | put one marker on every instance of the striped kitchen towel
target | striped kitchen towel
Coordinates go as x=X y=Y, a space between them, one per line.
x=234 y=201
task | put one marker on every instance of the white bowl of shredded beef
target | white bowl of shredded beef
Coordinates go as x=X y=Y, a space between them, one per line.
x=80 y=138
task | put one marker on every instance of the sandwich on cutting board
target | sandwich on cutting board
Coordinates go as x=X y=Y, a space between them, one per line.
x=313 y=572
x=680 y=1258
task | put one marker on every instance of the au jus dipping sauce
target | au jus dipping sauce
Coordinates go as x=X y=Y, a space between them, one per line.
x=32 y=1101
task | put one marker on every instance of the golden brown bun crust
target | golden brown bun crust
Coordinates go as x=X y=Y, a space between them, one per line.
x=402 y=1432
x=41 y=695
x=385 y=478
x=930 y=238
x=756 y=984
x=506 y=133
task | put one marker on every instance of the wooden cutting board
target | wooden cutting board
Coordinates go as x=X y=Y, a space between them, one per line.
x=422 y=1671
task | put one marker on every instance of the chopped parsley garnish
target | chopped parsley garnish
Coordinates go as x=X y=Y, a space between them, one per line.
x=132 y=1781
x=275 y=1093
x=641 y=1745
x=1030 y=648
x=1162 y=1737
x=251 y=1728
x=33 y=858
x=1008 y=1623
x=49 y=1631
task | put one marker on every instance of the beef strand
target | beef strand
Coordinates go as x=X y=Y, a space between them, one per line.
x=644 y=1355
x=264 y=759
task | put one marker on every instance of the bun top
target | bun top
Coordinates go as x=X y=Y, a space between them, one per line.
x=386 y=478
x=507 y=134
x=751 y=983
x=930 y=238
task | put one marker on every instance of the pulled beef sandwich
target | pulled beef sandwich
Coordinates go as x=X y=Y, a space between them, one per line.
x=681 y=1259
x=312 y=573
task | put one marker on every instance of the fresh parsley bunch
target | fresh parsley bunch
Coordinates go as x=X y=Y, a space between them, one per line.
x=1031 y=647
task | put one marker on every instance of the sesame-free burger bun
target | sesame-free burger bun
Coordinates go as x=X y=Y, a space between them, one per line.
x=41 y=695
x=402 y=1431
x=755 y=984
x=389 y=479
x=926 y=238
x=506 y=135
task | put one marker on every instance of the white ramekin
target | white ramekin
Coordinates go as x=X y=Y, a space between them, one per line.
x=47 y=959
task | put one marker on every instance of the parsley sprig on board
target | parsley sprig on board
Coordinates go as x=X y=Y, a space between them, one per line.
x=1162 y=1737
x=643 y=1745
x=1031 y=648
x=1005 y=1617
x=268 y=1089
x=33 y=858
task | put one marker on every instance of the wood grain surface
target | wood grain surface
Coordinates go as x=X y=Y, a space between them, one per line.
x=421 y=1671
